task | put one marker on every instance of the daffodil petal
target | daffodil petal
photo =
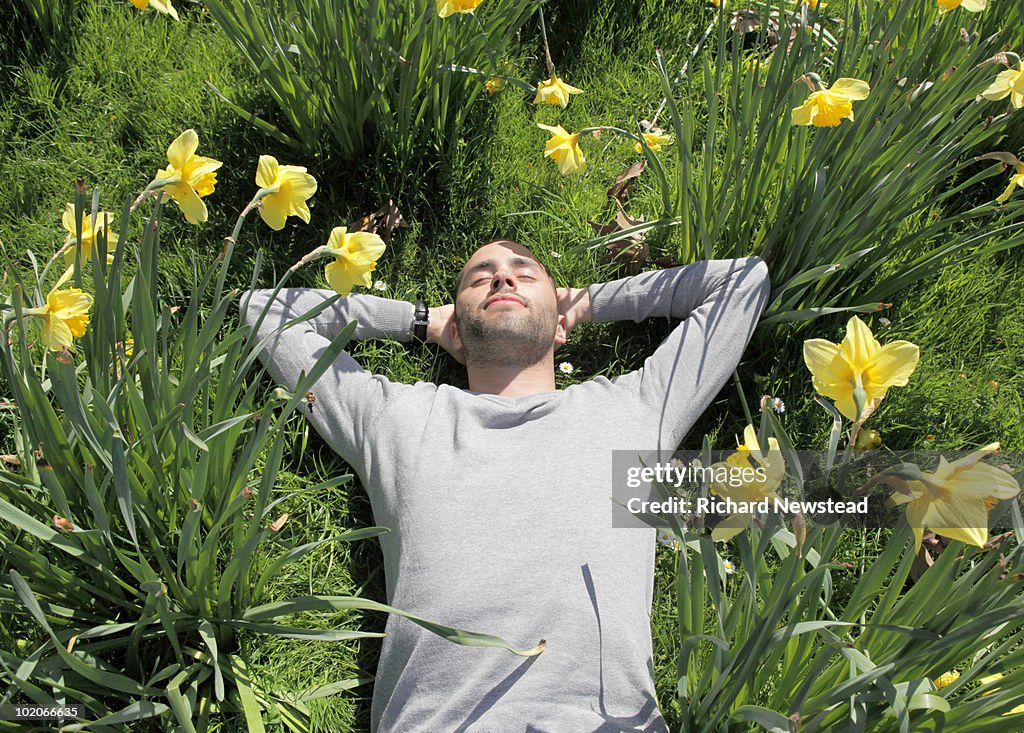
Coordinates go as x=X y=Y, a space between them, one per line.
x=731 y=526
x=892 y=365
x=58 y=335
x=188 y=200
x=1005 y=195
x=298 y=182
x=183 y=148
x=200 y=166
x=984 y=480
x=804 y=114
x=860 y=346
x=266 y=171
x=337 y=239
x=367 y=245
x=67 y=219
x=554 y=130
x=946 y=470
x=851 y=88
x=915 y=518
x=274 y=211
x=958 y=518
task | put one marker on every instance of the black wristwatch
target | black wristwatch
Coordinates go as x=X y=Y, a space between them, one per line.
x=420 y=320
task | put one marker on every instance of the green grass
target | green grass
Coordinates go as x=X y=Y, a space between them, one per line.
x=107 y=107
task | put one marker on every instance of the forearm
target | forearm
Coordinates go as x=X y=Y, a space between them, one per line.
x=675 y=292
x=376 y=317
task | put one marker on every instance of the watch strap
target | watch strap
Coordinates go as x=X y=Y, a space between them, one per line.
x=420 y=320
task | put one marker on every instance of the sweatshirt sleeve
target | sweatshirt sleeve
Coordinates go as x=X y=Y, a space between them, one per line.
x=347 y=397
x=719 y=302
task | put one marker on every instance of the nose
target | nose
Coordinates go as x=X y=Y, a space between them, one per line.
x=503 y=279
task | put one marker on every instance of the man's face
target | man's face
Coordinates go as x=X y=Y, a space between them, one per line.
x=506 y=310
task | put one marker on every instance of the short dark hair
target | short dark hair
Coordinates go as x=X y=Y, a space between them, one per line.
x=462 y=270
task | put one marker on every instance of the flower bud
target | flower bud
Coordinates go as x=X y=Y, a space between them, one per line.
x=868 y=440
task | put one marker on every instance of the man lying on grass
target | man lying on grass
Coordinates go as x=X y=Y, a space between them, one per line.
x=498 y=496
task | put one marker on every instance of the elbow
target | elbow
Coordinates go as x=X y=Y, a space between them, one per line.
x=754 y=274
x=251 y=303
x=756 y=280
x=760 y=272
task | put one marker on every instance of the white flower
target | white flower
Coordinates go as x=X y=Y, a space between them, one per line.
x=565 y=367
x=669 y=540
x=885 y=322
x=556 y=255
x=380 y=285
x=676 y=463
x=729 y=567
x=778 y=405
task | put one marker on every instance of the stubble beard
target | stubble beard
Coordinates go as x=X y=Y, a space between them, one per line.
x=521 y=338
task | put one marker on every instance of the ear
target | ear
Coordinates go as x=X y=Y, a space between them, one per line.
x=560 y=332
x=453 y=331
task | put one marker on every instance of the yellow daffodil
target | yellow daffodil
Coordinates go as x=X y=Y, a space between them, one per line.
x=447 y=7
x=89 y=231
x=955 y=500
x=814 y=4
x=859 y=363
x=289 y=187
x=1009 y=83
x=65 y=316
x=161 y=6
x=655 y=139
x=827 y=106
x=356 y=256
x=974 y=6
x=564 y=149
x=946 y=679
x=555 y=91
x=494 y=85
x=189 y=177
x=747 y=462
x=1016 y=179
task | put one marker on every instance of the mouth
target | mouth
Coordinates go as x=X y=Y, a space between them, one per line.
x=504 y=298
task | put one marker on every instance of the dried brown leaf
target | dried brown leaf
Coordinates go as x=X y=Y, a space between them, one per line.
x=382 y=222
x=745 y=21
x=620 y=189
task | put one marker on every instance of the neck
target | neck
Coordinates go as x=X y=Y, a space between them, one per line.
x=512 y=381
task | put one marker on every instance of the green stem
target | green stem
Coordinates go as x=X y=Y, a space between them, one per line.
x=544 y=35
x=630 y=135
x=491 y=55
x=743 y=397
x=682 y=72
x=254 y=204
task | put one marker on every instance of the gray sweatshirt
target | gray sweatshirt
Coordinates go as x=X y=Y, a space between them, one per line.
x=500 y=508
